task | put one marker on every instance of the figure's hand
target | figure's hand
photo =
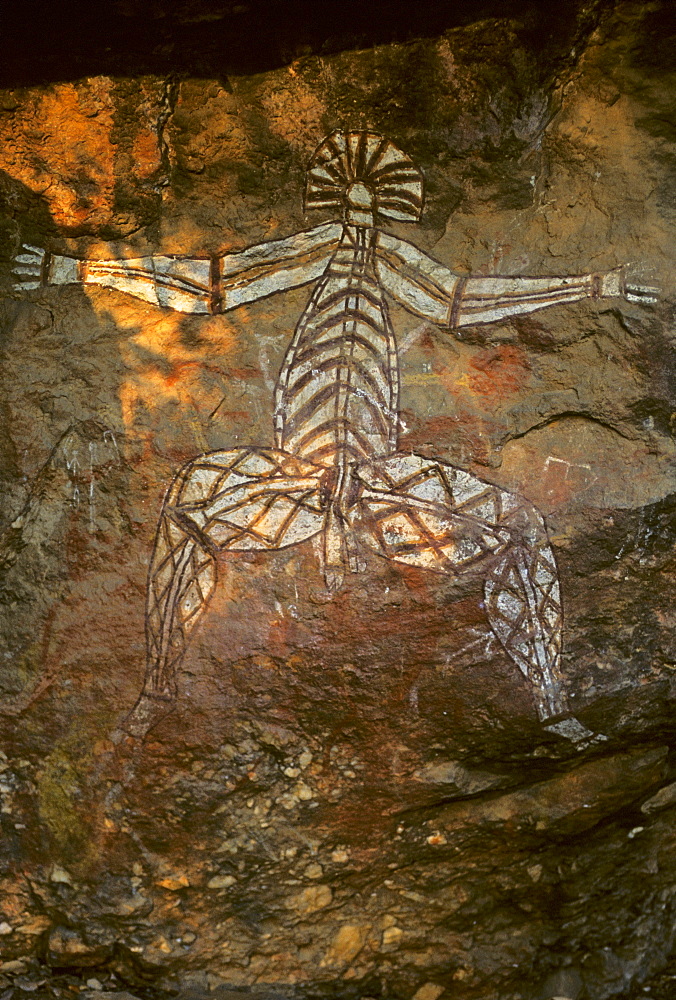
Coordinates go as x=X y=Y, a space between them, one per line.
x=27 y=268
x=641 y=293
x=627 y=282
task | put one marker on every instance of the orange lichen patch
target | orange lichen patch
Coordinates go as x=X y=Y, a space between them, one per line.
x=146 y=154
x=60 y=146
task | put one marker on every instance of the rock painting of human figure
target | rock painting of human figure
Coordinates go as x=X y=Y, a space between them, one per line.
x=335 y=473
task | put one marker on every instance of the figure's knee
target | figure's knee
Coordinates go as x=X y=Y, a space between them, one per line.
x=190 y=484
x=535 y=527
x=200 y=479
x=524 y=519
x=173 y=495
x=197 y=479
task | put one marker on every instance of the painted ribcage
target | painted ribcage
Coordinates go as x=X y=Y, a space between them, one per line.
x=338 y=388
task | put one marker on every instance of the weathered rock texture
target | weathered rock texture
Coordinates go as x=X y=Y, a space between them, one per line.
x=353 y=796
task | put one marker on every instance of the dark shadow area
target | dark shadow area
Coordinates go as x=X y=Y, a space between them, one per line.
x=655 y=51
x=71 y=39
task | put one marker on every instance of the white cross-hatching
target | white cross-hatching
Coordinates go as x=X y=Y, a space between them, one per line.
x=335 y=473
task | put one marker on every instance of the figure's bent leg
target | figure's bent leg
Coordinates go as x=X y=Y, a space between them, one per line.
x=181 y=580
x=426 y=513
x=245 y=499
x=523 y=604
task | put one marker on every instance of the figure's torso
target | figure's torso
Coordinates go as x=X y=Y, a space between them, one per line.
x=337 y=393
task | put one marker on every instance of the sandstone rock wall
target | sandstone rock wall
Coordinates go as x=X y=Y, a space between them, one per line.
x=353 y=795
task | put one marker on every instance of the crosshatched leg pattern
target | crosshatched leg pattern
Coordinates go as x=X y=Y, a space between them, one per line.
x=426 y=513
x=244 y=499
x=181 y=581
x=523 y=602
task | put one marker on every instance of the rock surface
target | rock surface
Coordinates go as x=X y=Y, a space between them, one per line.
x=353 y=796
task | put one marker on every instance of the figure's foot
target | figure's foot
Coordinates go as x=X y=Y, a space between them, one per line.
x=334 y=578
x=146 y=713
x=572 y=729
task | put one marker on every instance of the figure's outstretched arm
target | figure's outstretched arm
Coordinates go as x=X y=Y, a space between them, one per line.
x=191 y=285
x=431 y=290
x=485 y=300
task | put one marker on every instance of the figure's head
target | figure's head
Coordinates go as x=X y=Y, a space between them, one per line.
x=366 y=176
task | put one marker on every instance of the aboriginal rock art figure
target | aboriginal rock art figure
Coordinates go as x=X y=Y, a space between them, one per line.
x=335 y=473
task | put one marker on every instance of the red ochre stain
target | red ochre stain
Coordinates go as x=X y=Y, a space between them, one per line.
x=441 y=426
x=502 y=371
